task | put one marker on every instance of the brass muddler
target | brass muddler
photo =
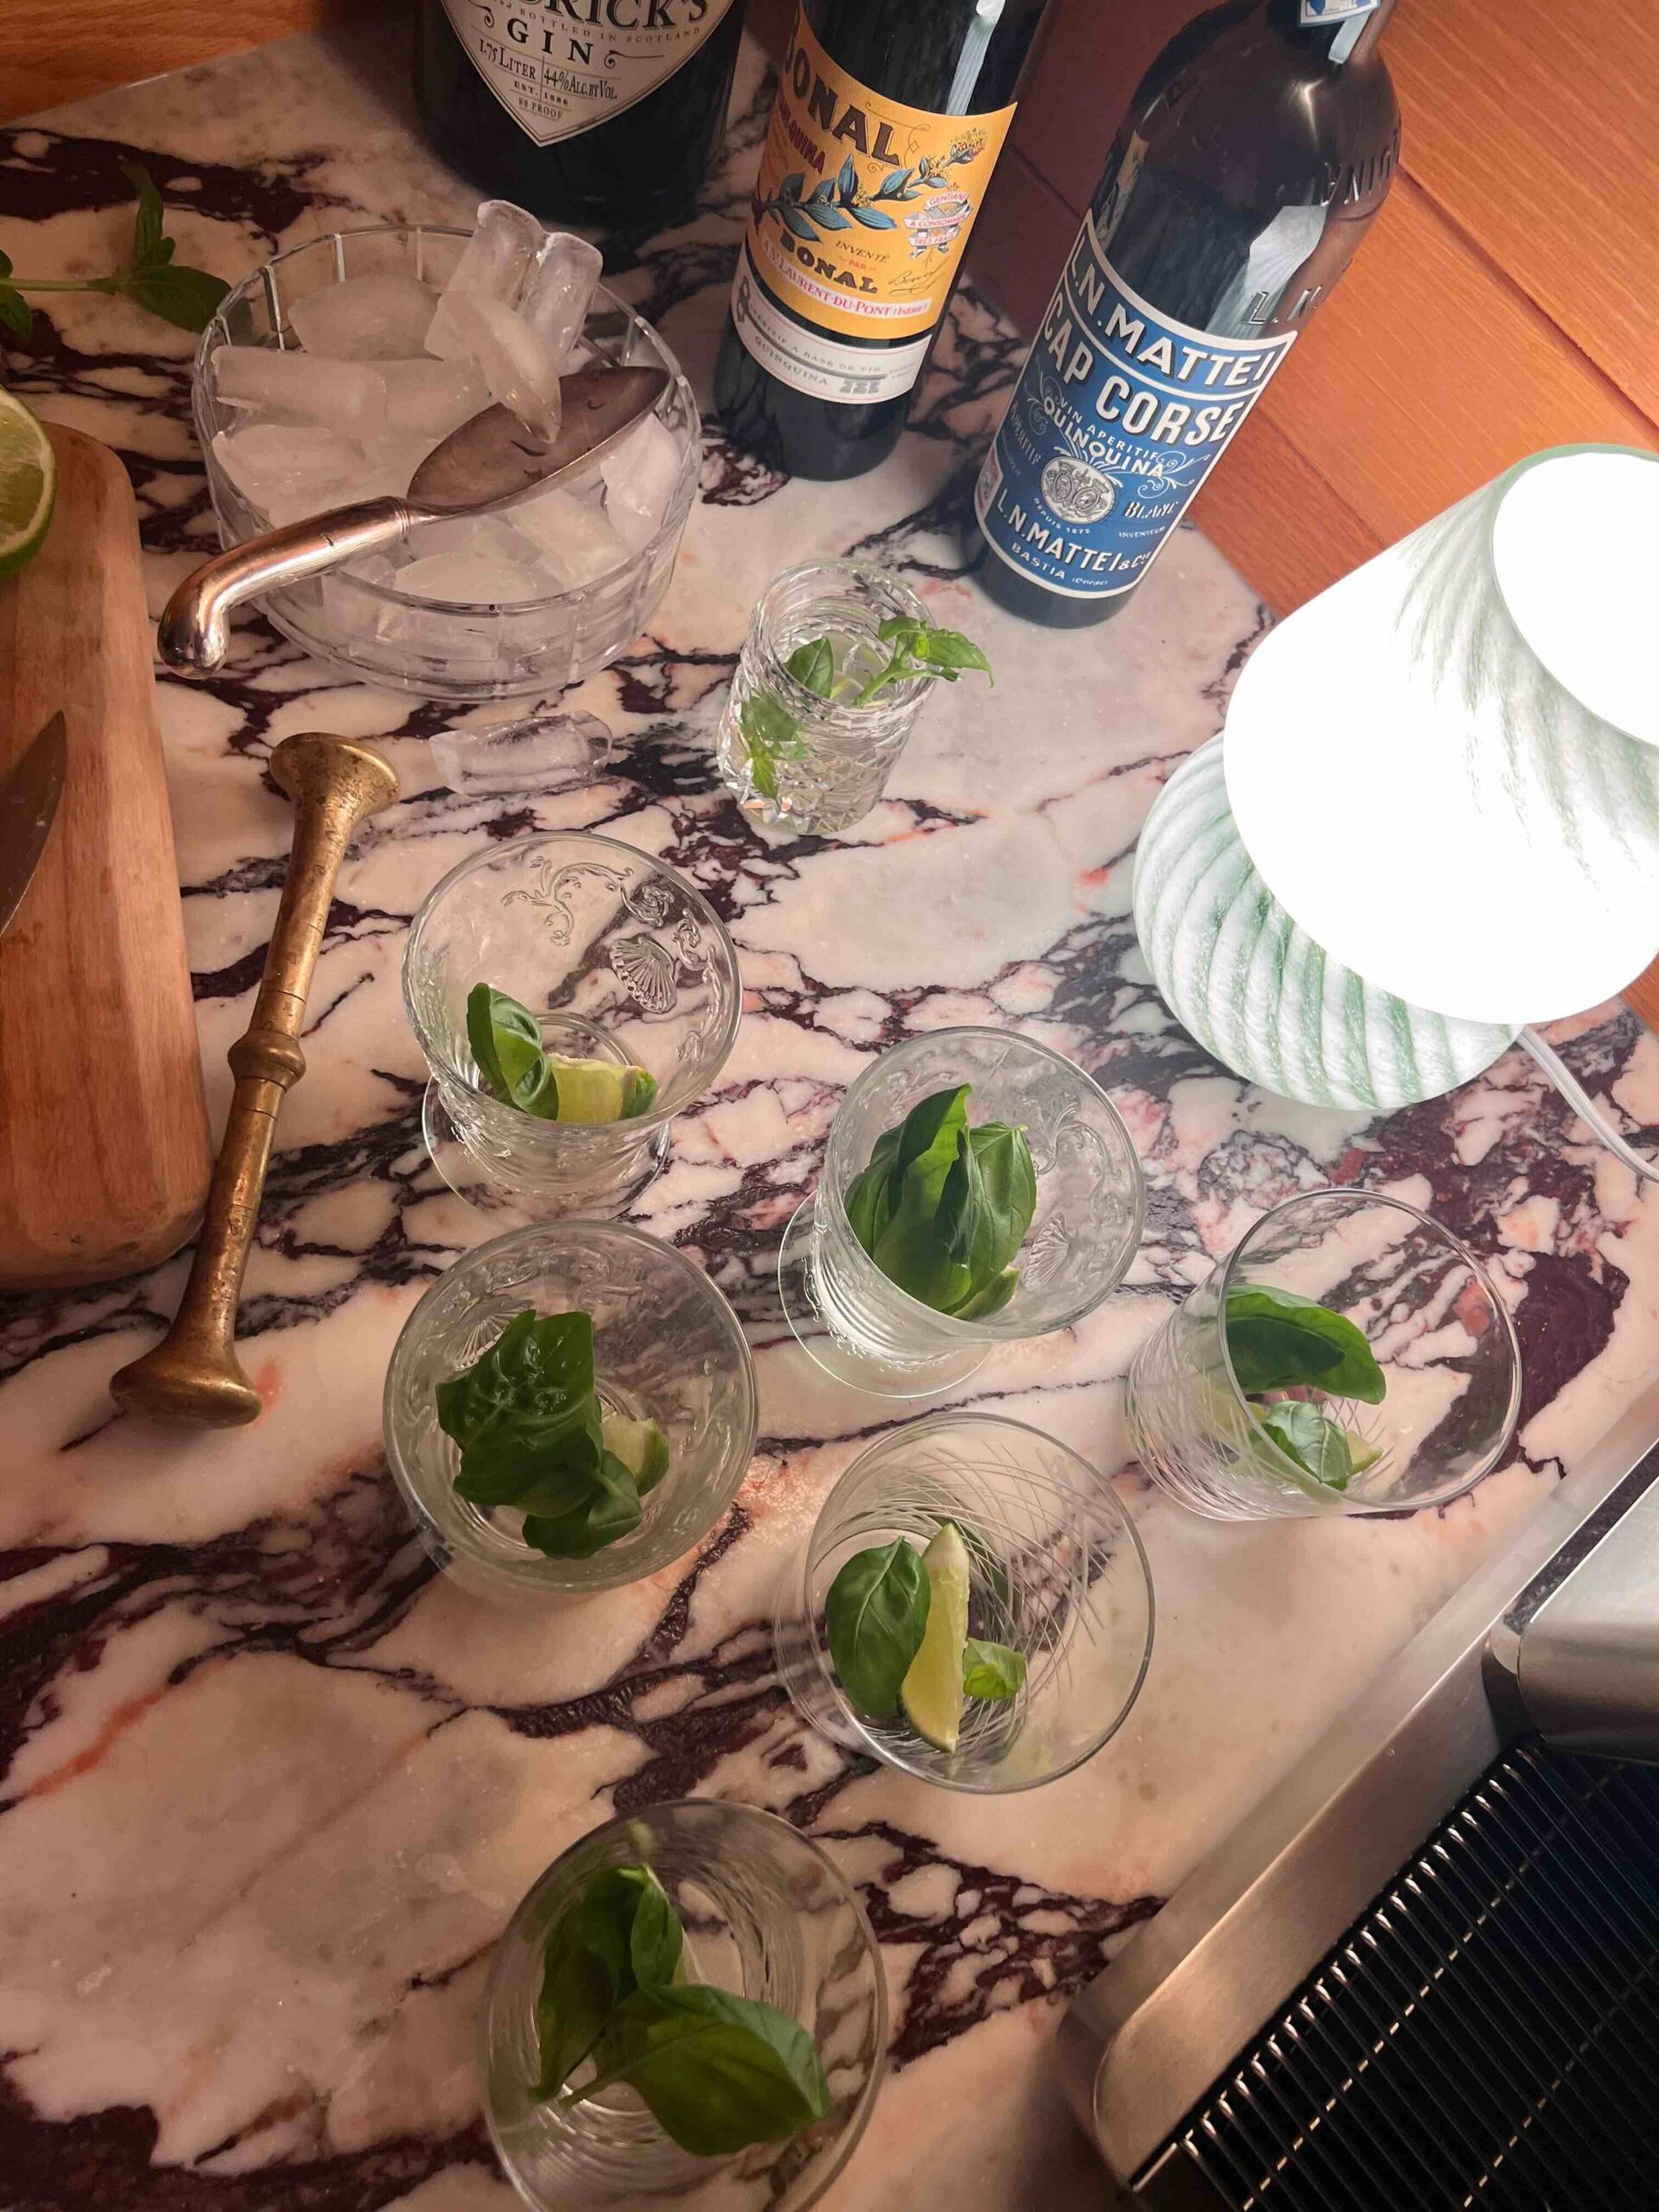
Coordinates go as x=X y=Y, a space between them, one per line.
x=193 y=1373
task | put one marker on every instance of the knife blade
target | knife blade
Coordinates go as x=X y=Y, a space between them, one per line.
x=28 y=802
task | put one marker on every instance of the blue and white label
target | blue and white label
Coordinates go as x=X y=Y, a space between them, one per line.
x=1335 y=11
x=1118 y=416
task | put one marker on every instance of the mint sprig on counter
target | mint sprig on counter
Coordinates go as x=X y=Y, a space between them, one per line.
x=187 y=297
x=1278 y=1340
x=716 y=2071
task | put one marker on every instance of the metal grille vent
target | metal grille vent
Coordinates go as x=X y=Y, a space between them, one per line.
x=1487 y=2034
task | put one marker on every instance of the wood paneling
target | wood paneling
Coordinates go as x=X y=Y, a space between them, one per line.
x=56 y=50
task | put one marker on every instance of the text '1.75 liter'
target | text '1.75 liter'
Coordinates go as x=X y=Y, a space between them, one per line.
x=1255 y=154
x=601 y=112
x=888 y=122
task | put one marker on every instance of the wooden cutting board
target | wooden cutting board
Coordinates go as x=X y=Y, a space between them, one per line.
x=103 y=1149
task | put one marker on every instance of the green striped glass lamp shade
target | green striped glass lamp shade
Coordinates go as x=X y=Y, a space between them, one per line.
x=1256 y=992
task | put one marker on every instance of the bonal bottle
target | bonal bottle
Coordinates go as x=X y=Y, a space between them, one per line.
x=889 y=119
x=601 y=112
x=1255 y=154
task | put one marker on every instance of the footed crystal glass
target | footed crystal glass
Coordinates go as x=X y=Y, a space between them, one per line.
x=619 y=959
x=866 y=1331
x=767 y=1915
x=1057 y=1573
x=1439 y=1333
x=666 y=1348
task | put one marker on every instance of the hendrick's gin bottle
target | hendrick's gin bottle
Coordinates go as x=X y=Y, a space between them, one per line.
x=1254 y=156
x=889 y=118
x=602 y=112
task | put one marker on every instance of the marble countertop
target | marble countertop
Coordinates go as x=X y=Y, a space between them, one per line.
x=270 y=1786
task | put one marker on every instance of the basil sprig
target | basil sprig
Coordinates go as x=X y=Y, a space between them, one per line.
x=1278 y=1340
x=942 y=1209
x=773 y=733
x=875 y=1616
x=187 y=297
x=716 y=2071
x=505 y=1039
x=531 y=1429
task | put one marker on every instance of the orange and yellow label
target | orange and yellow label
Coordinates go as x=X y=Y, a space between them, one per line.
x=862 y=208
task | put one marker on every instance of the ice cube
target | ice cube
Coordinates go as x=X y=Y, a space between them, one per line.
x=518 y=369
x=476 y=579
x=639 y=478
x=288 y=472
x=429 y=399
x=553 y=302
x=344 y=396
x=365 y=319
x=573 y=537
x=493 y=266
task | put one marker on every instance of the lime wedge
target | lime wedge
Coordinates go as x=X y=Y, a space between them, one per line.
x=594 y=1091
x=1363 y=1454
x=29 y=481
x=932 y=1689
x=640 y=1445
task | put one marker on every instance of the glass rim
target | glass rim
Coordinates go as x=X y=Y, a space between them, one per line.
x=1310 y=1485
x=1102 y=1498
x=989 y=1331
x=582 y=1132
x=761 y=1820
x=550 y=1577
x=843 y=719
x=258 y=283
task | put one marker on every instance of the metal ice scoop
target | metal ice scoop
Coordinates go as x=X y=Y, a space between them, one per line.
x=490 y=463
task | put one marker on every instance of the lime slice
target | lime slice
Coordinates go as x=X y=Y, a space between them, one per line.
x=932 y=1688
x=640 y=1445
x=28 y=479
x=1362 y=1453
x=594 y=1091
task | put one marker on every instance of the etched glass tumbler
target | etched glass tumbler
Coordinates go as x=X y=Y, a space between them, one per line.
x=667 y=1348
x=618 y=959
x=861 y=1328
x=1438 y=1331
x=795 y=760
x=1056 y=1572
x=767 y=1916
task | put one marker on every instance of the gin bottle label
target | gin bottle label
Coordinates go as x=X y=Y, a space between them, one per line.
x=1119 y=415
x=559 y=66
x=860 y=220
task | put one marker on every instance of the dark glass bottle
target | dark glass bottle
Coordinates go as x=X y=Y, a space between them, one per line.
x=1255 y=154
x=601 y=112
x=887 y=125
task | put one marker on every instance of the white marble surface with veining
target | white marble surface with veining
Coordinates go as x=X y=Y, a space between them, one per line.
x=268 y=1787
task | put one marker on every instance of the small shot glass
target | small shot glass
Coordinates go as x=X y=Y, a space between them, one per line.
x=1439 y=1333
x=767 y=1915
x=861 y=1328
x=1056 y=1572
x=829 y=772
x=619 y=959
x=667 y=1348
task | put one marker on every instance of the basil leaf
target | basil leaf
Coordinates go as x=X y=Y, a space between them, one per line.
x=813 y=665
x=716 y=2071
x=187 y=298
x=949 y=649
x=1278 y=1340
x=150 y=217
x=927 y=1135
x=992 y=1670
x=1007 y=1193
x=612 y=1510
x=15 y=314
x=980 y=1305
x=545 y=1464
x=541 y=1363
x=505 y=1039
x=870 y=1193
x=771 y=733
x=1318 y=1447
x=621 y=1934
x=875 y=1614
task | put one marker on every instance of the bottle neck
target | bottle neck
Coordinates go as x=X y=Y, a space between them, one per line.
x=1340 y=31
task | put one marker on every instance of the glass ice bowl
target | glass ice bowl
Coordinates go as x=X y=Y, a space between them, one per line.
x=619 y=959
x=667 y=1348
x=440 y=649
x=768 y=1916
